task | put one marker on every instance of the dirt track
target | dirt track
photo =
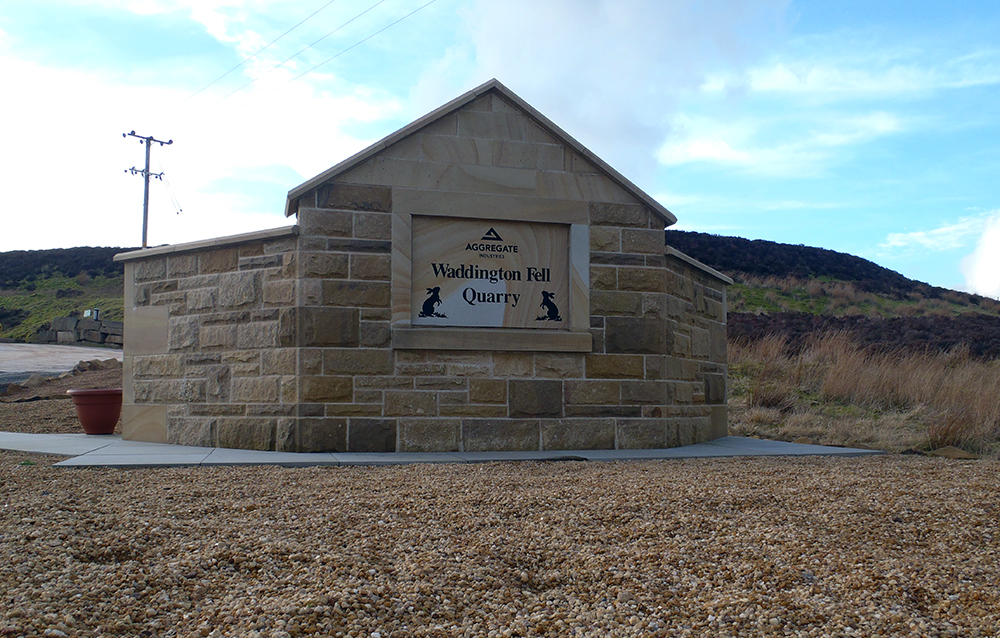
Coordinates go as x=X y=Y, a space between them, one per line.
x=19 y=360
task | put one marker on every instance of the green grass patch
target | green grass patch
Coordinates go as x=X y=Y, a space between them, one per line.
x=837 y=298
x=38 y=300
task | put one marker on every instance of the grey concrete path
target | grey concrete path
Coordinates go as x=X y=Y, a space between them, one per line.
x=112 y=451
x=18 y=361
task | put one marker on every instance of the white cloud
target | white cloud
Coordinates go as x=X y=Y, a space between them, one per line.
x=982 y=268
x=748 y=144
x=845 y=66
x=217 y=24
x=788 y=133
x=229 y=167
x=827 y=79
x=606 y=70
x=670 y=198
x=859 y=129
x=716 y=150
x=609 y=71
x=947 y=237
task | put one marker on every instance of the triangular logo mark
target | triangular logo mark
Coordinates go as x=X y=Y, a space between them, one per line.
x=492 y=235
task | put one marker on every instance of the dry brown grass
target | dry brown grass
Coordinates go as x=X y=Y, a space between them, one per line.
x=839 y=393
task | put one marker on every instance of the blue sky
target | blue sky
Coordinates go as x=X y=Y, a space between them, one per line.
x=865 y=127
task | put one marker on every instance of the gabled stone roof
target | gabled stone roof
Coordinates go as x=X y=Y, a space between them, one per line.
x=434 y=116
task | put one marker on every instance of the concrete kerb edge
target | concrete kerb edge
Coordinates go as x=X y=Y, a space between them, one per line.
x=728 y=447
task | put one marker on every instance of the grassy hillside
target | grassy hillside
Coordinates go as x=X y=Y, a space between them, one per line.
x=754 y=294
x=38 y=286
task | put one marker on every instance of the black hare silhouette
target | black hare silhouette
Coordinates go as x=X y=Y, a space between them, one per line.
x=433 y=300
x=551 y=309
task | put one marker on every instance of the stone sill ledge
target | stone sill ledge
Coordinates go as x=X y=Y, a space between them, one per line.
x=491 y=339
x=284 y=231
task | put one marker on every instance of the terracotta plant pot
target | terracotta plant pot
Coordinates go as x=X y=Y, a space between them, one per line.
x=98 y=410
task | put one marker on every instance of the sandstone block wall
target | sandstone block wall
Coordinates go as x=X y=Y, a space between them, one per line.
x=286 y=344
x=655 y=378
x=210 y=354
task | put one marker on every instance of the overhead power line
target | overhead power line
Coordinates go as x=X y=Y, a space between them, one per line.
x=250 y=57
x=304 y=49
x=170 y=189
x=332 y=58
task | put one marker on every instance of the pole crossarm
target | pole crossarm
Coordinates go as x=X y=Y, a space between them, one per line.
x=148 y=140
x=140 y=171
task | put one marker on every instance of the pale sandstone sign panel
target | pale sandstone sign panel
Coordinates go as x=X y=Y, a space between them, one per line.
x=489 y=273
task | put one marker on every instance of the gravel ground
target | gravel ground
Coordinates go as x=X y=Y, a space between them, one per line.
x=892 y=545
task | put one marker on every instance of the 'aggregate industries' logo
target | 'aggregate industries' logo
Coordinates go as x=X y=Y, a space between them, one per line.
x=492 y=251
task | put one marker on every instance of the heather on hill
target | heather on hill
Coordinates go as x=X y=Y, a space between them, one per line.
x=759 y=258
x=976 y=332
x=27 y=265
x=767 y=258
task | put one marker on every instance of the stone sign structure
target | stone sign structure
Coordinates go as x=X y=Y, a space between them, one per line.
x=477 y=280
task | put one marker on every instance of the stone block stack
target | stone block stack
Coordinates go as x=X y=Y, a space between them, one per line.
x=76 y=331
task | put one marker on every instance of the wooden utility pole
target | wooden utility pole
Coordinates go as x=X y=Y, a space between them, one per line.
x=146 y=175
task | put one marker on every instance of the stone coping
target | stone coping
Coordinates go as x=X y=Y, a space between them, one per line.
x=694 y=263
x=271 y=233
